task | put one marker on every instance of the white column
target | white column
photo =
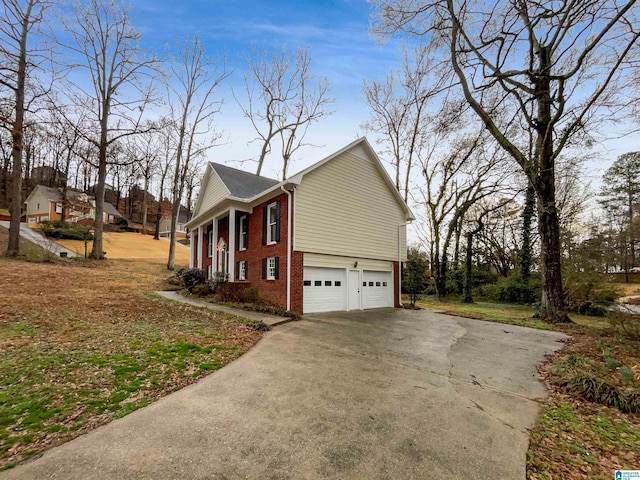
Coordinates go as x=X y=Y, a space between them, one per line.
x=214 y=247
x=200 y=230
x=232 y=245
x=193 y=249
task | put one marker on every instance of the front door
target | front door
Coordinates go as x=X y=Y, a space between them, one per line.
x=354 y=289
x=222 y=258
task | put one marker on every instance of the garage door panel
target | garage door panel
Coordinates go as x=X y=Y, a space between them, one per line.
x=324 y=289
x=377 y=289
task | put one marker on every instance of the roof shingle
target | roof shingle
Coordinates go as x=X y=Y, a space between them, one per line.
x=242 y=184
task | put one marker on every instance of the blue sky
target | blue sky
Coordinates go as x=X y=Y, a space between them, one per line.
x=335 y=31
x=342 y=49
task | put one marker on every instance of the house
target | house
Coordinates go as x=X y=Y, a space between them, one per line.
x=329 y=238
x=181 y=225
x=46 y=203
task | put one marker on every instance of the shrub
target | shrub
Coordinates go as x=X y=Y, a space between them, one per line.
x=511 y=289
x=229 y=292
x=597 y=390
x=191 y=277
x=202 y=290
x=249 y=295
x=626 y=324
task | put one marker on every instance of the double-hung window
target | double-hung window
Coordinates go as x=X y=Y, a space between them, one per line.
x=272 y=223
x=243 y=237
x=242 y=270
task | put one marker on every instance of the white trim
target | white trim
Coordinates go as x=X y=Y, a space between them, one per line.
x=289 y=229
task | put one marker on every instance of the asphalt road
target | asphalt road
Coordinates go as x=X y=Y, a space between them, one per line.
x=386 y=394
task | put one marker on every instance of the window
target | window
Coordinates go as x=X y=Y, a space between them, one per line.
x=242 y=270
x=327 y=283
x=209 y=272
x=271 y=268
x=271 y=224
x=58 y=208
x=371 y=284
x=318 y=283
x=210 y=244
x=337 y=283
x=364 y=284
x=384 y=284
x=377 y=284
x=243 y=237
x=307 y=283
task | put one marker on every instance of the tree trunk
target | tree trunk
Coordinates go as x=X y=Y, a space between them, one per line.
x=145 y=203
x=467 y=298
x=552 y=301
x=525 y=250
x=97 y=251
x=17 y=136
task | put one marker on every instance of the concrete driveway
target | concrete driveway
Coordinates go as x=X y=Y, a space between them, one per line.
x=386 y=394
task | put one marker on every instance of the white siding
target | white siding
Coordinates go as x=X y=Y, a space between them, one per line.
x=317 y=260
x=37 y=197
x=213 y=194
x=346 y=206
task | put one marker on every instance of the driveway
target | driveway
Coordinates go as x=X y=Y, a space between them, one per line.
x=386 y=394
x=39 y=239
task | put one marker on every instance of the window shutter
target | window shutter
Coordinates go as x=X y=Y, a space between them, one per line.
x=264 y=268
x=277 y=275
x=264 y=225
x=277 y=221
x=237 y=270
x=246 y=229
x=246 y=269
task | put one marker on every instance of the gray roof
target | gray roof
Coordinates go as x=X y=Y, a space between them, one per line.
x=110 y=209
x=243 y=184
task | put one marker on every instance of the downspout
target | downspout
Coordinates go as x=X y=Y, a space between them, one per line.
x=400 y=265
x=289 y=240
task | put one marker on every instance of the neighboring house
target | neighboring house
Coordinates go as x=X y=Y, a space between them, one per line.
x=46 y=203
x=181 y=225
x=329 y=238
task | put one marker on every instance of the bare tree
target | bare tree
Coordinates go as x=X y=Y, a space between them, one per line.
x=550 y=69
x=283 y=98
x=166 y=136
x=18 y=61
x=105 y=46
x=401 y=113
x=191 y=89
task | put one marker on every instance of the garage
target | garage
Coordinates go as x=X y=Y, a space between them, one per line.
x=377 y=289
x=325 y=289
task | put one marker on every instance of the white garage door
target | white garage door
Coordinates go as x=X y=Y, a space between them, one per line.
x=377 y=289
x=325 y=290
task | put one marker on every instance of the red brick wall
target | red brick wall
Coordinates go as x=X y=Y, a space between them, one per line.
x=297 y=277
x=204 y=245
x=274 y=291
x=396 y=282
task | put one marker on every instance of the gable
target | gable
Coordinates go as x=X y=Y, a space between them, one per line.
x=346 y=206
x=213 y=191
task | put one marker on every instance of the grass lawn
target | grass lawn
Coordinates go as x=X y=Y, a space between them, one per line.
x=578 y=434
x=82 y=343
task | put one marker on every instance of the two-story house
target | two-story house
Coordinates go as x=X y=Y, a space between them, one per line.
x=332 y=237
x=47 y=203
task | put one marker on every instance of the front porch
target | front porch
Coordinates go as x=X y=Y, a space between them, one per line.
x=215 y=243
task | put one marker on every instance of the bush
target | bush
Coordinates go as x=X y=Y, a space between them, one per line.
x=626 y=324
x=511 y=289
x=250 y=295
x=66 y=230
x=191 y=277
x=229 y=292
x=202 y=290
